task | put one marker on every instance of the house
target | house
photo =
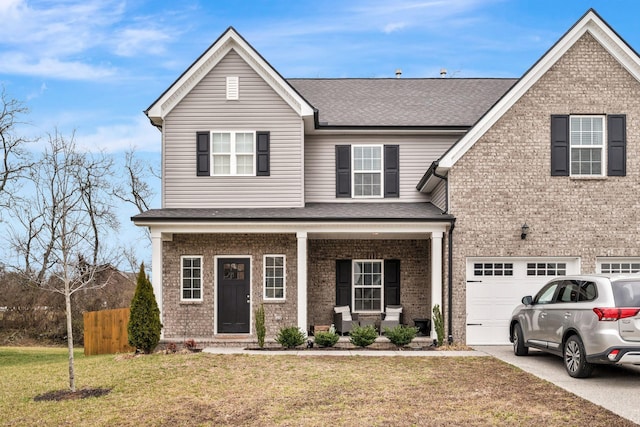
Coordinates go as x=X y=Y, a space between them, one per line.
x=305 y=194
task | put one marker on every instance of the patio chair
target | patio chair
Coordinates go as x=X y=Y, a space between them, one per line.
x=391 y=318
x=343 y=319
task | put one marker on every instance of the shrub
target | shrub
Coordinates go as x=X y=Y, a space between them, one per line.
x=438 y=324
x=326 y=339
x=261 y=329
x=290 y=337
x=401 y=335
x=362 y=336
x=144 y=321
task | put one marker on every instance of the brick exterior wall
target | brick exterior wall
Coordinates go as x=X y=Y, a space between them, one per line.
x=183 y=320
x=504 y=180
x=415 y=276
x=196 y=319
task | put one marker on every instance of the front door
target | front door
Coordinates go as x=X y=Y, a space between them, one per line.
x=234 y=296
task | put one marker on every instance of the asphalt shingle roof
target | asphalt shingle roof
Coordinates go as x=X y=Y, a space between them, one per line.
x=401 y=102
x=311 y=212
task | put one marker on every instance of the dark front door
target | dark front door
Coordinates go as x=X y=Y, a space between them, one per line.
x=233 y=295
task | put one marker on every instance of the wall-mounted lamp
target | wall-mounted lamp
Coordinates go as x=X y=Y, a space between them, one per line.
x=525 y=231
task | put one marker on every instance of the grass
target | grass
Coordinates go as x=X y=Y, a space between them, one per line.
x=206 y=389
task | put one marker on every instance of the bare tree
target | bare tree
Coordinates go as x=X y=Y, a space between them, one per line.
x=14 y=158
x=60 y=226
x=135 y=188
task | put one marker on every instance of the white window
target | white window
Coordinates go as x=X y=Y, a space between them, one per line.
x=233 y=87
x=546 y=268
x=367 y=286
x=233 y=153
x=191 y=278
x=274 y=277
x=618 y=265
x=367 y=170
x=587 y=145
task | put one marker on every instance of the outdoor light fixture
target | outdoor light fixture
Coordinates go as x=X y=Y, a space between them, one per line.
x=525 y=231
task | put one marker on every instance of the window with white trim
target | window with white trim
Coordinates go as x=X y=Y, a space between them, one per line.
x=587 y=145
x=367 y=170
x=191 y=278
x=620 y=265
x=274 y=277
x=367 y=286
x=493 y=269
x=233 y=153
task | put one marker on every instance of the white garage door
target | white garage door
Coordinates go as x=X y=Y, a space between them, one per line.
x=495 y=286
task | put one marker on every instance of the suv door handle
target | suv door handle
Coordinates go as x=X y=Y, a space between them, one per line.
x=567 y=315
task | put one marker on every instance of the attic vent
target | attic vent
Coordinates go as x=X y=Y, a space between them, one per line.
x=233 y=87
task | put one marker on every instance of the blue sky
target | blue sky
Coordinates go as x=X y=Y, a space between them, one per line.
x=93 y=66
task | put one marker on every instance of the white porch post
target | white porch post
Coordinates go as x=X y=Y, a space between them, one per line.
x=436 y=276
x=302 y=280
x=156 y=269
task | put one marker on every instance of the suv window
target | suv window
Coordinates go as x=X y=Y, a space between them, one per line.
x=626 y=293
x=545 y=296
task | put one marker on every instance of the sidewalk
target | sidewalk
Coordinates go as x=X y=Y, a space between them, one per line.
x=346 y=352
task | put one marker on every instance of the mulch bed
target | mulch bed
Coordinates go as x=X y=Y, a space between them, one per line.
x=58 y=395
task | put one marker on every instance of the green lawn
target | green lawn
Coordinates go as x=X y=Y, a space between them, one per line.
x=205 y=389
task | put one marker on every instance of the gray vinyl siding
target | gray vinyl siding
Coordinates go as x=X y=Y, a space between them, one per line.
x=206 y=108
x=416 y=154
x=439 y=195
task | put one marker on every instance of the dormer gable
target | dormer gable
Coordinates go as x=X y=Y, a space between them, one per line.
x=229 y=40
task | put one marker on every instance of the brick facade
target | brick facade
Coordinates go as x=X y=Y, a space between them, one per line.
x=504 y=180
x=183 y=320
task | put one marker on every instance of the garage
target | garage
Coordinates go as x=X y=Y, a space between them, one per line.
x=495 y=287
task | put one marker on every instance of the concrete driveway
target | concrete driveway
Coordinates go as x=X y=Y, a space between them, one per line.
x=615 y=388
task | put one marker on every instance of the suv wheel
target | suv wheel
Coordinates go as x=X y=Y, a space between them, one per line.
x=519 y=349
x=575 y=358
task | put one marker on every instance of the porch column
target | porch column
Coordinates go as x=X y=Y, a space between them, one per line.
x=436 y=276
x=156 y=270
x=302 y=280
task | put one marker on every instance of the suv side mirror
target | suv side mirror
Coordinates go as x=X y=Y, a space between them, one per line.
x=528 y=300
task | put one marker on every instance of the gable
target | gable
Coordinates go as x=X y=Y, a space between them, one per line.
x=230 y=40
x=590 y=24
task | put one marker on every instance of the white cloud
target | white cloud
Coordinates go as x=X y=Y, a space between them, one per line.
x=20 y=63
x=59 y=39
x=131 y=42
x=390 y=28
x=137 y=133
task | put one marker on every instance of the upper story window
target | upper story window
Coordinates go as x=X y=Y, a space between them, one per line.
x=367 y=170
x=587 y=145
x=225 y=153
x=232 y=153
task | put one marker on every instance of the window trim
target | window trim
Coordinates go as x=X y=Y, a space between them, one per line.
x=233 y=155
x=182 y=258
x=354 y=172
x=354 y=286
x=284 y=277
x=603 y=147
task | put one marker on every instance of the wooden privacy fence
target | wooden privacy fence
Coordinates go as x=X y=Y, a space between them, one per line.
x=105 y=332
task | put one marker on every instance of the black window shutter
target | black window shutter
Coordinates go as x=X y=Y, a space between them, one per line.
x=392 y=282
x=343 y=171
x=202 y=154
x=262 y=153
x=391 y=171
x=343 y=282
x=559 y=145
x=617 y=145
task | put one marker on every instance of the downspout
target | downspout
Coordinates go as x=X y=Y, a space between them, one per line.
x=450 y=257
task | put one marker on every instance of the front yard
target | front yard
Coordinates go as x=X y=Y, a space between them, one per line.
x=206 y=389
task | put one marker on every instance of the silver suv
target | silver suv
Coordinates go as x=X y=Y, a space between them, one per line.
x=587 y=319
